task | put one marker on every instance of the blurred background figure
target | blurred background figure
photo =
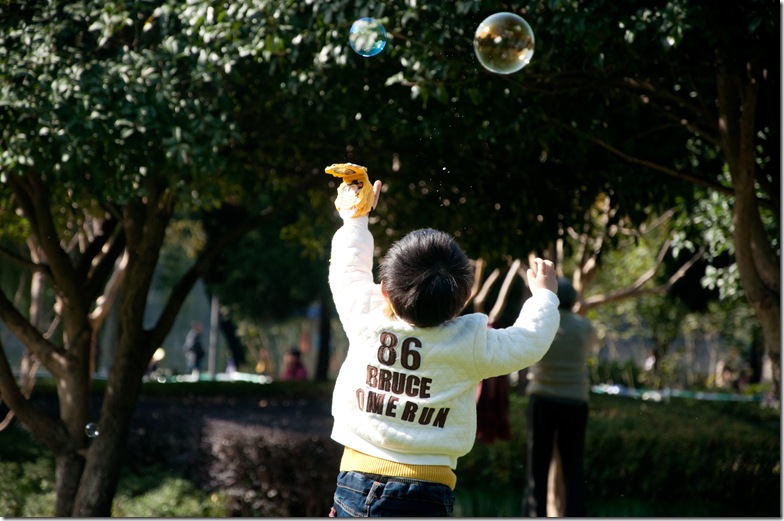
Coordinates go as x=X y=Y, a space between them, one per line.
x=733 y=371
x=293 y=368
x=194 y=349
x=492 y=406
x=157 y=356
x=264 y=363
x=558 y=390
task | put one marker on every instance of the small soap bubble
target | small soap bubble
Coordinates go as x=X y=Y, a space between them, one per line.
x=91 y=430
x=504 y=43
x=367 y=37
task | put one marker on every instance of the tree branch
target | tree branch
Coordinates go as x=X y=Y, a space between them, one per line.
x=479 y=300
x=104 y=302
x=25 y=263
x=50 y=356
x=479 y=268
x=501 y=300
x=105 y=266
x=649 y=164
x=50 y=432
x=644 y=86
x=145 y=223
x=36 y=205
x=636 y=289
x=700 y=113
x=766 y=261
x=94 y=248
x=215 y=247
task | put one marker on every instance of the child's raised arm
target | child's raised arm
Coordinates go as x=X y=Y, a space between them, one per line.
x=351 y=261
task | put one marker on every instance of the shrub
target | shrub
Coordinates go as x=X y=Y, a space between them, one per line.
x=28 y=487
x=157 y=493
x=684 y=457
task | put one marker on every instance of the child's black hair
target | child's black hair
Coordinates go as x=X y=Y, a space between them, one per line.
x=427 y=277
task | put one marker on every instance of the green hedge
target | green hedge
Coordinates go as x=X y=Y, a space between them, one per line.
x=685 y=457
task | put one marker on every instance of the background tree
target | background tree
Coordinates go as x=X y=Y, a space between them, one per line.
x=115 y=118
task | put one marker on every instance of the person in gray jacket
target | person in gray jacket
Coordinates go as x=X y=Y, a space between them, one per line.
x=557 y=412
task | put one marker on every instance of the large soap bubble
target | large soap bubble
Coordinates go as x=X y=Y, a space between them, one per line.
x=504 y=43
x=367 y=37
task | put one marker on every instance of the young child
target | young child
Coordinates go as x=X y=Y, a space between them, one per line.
x=404 y=402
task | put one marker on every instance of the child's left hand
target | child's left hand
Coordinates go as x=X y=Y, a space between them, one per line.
x=541 y=275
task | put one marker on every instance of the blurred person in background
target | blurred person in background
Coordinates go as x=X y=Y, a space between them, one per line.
x=293 y=368
x=557 y=391
x=194 y=349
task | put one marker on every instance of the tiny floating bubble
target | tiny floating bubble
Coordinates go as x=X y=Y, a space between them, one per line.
x=91 y=430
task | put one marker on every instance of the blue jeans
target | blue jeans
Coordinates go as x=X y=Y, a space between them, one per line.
x=369 y=495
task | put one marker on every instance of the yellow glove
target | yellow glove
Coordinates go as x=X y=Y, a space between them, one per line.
x=355 y=193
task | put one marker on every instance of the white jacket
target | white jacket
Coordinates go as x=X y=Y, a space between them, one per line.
x=408 y=394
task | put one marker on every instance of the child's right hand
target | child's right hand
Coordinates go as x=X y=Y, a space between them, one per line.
x=542 y=275
x=355 y=196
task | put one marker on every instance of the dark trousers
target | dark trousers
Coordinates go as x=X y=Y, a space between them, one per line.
x=552 y=421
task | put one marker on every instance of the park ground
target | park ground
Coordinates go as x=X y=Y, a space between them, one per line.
x=265 y=451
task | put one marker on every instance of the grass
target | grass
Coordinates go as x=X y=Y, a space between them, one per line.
x=159 y=493
x=685 y=458
x=155 y=493
x=509 y=503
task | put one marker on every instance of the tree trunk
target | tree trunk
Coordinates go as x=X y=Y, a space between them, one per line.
x=73 y=394
x=105 y=455
x=325 y=338
x=748 y=249
x=135 y=346
x=756 y=355
x=104 y=458
x=759 y=269
x=770 y=318
x=68 y=472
